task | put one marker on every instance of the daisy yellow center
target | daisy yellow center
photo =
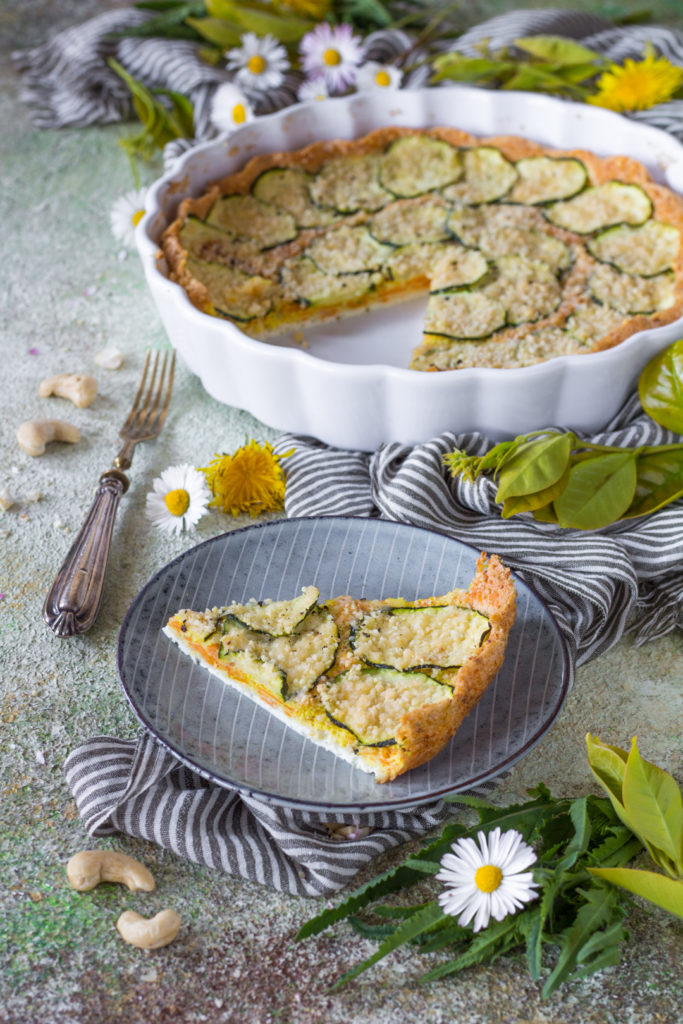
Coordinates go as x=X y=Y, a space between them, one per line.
x=331 y=57
x=177 y=502
x=137 y=217
x=256 y=64
x=488 y=877
x=383 y=78
x=239 y=114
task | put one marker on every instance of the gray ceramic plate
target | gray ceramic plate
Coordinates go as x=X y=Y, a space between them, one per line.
x=230 y=740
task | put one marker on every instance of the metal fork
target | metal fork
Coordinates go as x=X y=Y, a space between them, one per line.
x=74 y=599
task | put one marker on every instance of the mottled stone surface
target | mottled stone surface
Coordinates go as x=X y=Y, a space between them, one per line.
x=67 y=291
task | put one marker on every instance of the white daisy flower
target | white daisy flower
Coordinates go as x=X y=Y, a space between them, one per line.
x=179 y=499
x=126 y=214
x=489 y=879
x=332 y=53
x=260 y=62
x=314 y=89
x=373 y=75
x=230 y=108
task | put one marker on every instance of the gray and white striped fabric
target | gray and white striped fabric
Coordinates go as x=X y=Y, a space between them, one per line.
x=597 y=583
x=137 y=787
x=67 y=82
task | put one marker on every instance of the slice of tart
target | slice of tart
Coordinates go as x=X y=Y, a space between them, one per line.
x=383 y=684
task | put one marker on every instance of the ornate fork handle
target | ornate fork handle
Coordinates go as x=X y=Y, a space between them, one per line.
x=74 y=599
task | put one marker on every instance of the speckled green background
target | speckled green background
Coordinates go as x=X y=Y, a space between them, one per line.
x=66 y=293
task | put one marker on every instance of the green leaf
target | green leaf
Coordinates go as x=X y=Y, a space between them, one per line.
x=598 y=492
x=161 y=125
x=261 y=19
x=652 y=801
x=535 y=466
x=660 y=387
x=215 y=30
x=659 y=480
x=427 y=867
x=486 y=945
x=378 y=932
x=533 y=78
x=608 y=765
x=410 y=928
x=596 y=914
x=535 y=502
x=364 y=13
x=471 y=69
x=545 y=514
x=444 y=933
x=559 y=50
x=578 y=844
x=664 y=892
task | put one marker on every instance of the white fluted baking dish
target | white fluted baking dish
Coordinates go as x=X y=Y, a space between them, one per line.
x=350 y=386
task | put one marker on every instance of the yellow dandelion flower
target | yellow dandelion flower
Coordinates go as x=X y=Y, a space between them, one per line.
x=250 y=480
x=637 y=85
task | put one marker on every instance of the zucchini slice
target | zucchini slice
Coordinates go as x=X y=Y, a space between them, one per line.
x=463 y=314
x=546 y=343
x=646 y=250
x=410 y=637
x=601 y=206
x=288 y=188
x=350 y=183
x=347 y=250
x=488 y=176
x=297 y=659
x=544 y=179
x=409 y=262
x=276 y=618
x=527 y=289
x=206 y=241
x=630 y=294
x=263 y=673
x=415 y=164
x=458 y=268
x=250 y=217
x=305 y=283
x=591 y=321
x=401 y=223
x=232 y=292
x=199 y=626
x=497 y=231
x=370 y=702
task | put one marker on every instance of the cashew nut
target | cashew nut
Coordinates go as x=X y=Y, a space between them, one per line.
x=148 y=933
x=88 y=868
x=34 y=435
x=79 y=388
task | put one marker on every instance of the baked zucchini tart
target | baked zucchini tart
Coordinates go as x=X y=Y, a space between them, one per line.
x=382 y=684
x=523 y=252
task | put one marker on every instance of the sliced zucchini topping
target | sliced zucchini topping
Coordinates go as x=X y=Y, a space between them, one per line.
x=371 y=702
x=487 y=176
x=250 y=217
x=415 y=260
x=350 y=183
x=527 y=289
x=415 y=164
x=462 y=314
x=443 y=354
x=546 y=343
x=404 y=222
x=277 y=618
x=263 y=673
x=471 y=225
x=298 y=658
x=630 y=294
x=543 y=179
x=304 y=282
x=646 y=250
x=591 y=321
x=438 y=636
x=347 y=250
x=207 y=242
x=233 y=293
x=599 y=207
x=289 y=189
x=199 y=626
x=458 y=268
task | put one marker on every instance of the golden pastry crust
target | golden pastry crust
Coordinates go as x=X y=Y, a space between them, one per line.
x=667 y=207
x=422 y=731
